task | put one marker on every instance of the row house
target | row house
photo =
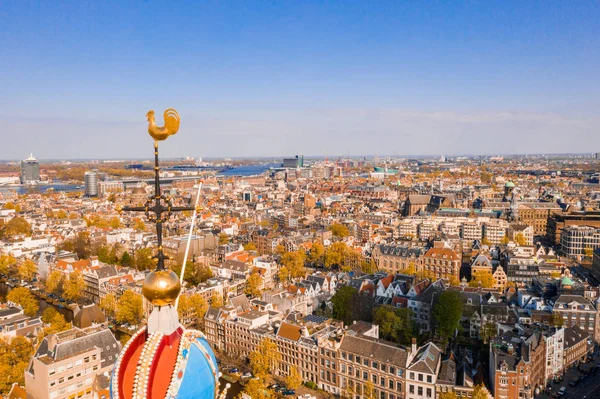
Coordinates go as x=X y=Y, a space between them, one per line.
x=394 y=259
x=422 y=371
x=517 y=365
x=442 y=263
x=366 y=363
x=575 y=310
x=297 y=349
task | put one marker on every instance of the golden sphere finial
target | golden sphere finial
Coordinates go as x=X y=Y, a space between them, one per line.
x=161 y=287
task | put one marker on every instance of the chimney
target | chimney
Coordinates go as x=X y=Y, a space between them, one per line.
x=413 y=347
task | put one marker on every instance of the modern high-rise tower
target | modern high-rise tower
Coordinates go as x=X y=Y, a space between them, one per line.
x=90 y=180
x=30 y=170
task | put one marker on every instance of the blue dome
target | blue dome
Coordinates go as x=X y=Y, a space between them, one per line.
x=197 y=376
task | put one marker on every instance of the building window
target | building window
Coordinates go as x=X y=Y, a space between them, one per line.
x=411 y=389
x=429 y=392
x=420 y=377
x=429 y=379
x=412 y=375
x=420 y=391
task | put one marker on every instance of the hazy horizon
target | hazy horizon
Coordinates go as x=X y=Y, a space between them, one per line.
x=254 y=80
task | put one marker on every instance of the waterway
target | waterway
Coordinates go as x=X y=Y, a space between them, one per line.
x=41 y=188
x=248 y=170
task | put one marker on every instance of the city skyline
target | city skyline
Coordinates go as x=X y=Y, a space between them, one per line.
x=323 y=79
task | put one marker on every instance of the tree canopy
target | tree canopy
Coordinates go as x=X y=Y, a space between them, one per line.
x=447 y=312
x=395 y=324
x=339 y=230
x=129 y=308
x=15 y=354
x=341 y=304
x=23 y=297
x=17 y=226
x=253 y=285
x=73 y=287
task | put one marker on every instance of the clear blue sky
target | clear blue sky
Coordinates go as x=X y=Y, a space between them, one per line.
x=320 y=78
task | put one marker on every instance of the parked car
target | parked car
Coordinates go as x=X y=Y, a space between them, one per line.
x=288 y=392
x=247 y=374
x=234 y=370
x=562 y=391
x=274 y=386
x=574 y=382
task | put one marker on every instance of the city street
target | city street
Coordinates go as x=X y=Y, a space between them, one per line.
x=587 y=389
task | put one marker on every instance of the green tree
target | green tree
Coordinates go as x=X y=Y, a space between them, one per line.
x=447 y=312
x=17 y=226
x=488 y=331
x=23 y=297
x=143 y=259
x=190 y=272
x=395 y=324
x=293 y=379
x=15 y=354
x=253 y=285
x=341 y=304
x=339 y=230
x=80 y=245
x=27 y=270
x=105 y=255
x=129 y=308
x=126 y=259
x=73 y=287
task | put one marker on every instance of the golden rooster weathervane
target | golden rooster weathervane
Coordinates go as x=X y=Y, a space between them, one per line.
x=171 y=126
x=162 y=286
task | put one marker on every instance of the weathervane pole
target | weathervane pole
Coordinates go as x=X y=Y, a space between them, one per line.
x=189 y=240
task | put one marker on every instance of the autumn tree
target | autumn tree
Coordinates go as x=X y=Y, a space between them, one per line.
x=250 y=247
x=369 y=391
x=139 y=225
x=519 y=238
x=15 y=354
x=448 y=395
x=483 y=278
x=55 y=322
x=223 y=239
x=216 y=301
x=264 y=359
x=27 y=270
x=23 y=297
x=73 y=287
x=447 y=312
x=316 y=255
x=108 y=304
x=339 y=230
x=257 y=390
x=335 y=254
x=6 y=263
x=80 y=245
x=17 y=226
x=480 y=392
x=198 y=307
x=284 y=274
x=54 y=282
x=129 y=308
x=293 y=380
x=294 y=262
x=253 y=285
x=115 y=223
